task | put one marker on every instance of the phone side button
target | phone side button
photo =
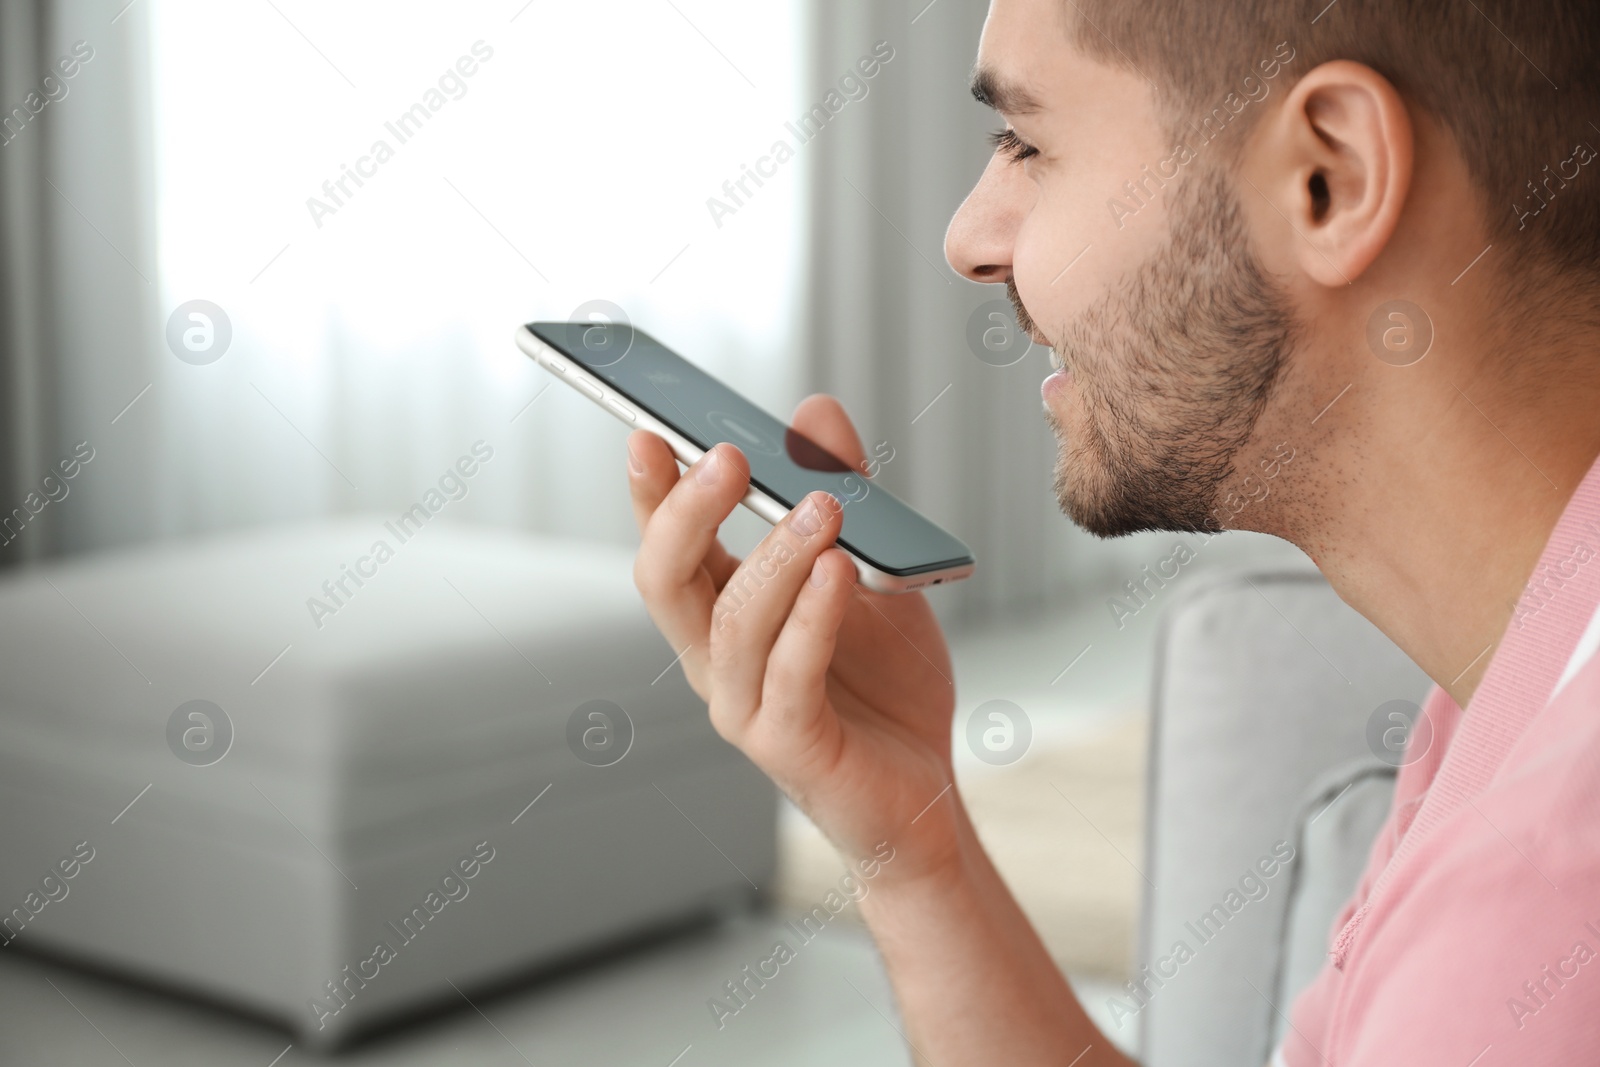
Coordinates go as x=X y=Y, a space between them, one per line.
x=622 y=410
x=589 y=387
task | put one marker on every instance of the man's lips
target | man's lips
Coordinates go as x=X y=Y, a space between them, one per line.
x=1054 y=382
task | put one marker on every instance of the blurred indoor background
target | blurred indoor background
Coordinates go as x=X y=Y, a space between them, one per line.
x=196 y=154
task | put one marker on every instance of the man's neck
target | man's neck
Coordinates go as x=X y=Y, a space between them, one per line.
x=1440 y=495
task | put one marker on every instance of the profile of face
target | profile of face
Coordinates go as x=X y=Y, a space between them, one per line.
x=1172 y=335
x=1168 y=373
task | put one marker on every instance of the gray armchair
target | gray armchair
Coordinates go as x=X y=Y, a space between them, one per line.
x=1265 y=683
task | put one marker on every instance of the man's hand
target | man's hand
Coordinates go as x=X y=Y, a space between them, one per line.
x=844 y=698
x=841 y=695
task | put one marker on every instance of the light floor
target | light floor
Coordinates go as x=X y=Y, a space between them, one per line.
x=829 y=1007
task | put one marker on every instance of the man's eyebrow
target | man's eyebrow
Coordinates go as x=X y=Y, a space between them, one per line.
x=990 y=90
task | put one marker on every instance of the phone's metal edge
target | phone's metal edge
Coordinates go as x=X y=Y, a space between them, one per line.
x=687 y=452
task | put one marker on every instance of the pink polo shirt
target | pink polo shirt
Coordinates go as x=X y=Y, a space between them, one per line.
x=1473 y=938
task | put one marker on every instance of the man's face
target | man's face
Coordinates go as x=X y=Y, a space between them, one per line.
x=1172 y=336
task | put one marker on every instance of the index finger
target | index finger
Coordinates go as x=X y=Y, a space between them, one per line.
x=680 y=566
x=653 y=471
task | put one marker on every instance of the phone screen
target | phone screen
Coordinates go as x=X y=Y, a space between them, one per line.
x=881 y=528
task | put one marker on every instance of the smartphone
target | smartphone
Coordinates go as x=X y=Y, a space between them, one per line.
x=646 y=385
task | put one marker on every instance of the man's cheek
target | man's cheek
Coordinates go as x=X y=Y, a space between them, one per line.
x=1056 y=269
x=1070 y=233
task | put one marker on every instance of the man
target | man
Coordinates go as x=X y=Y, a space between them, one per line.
x=1371 y=233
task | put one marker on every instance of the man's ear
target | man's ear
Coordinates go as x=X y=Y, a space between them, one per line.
x=1336 y=161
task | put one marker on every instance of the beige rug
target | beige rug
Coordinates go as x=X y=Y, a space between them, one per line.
x=1063 y=826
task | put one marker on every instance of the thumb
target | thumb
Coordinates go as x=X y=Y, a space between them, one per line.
x=820 y=420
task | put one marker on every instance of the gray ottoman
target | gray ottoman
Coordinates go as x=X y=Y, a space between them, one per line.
x=328 y=784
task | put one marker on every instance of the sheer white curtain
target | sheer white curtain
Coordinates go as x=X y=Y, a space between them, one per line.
x=544 y=155
x=77 y=290
x=890 y=318
x=511 y=161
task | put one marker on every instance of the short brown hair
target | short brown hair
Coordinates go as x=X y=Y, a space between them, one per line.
x=1513 y=81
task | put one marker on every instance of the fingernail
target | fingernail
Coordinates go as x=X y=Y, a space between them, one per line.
x=807 y=519
x=710 y=468
x=819 y=574
x=633 y=462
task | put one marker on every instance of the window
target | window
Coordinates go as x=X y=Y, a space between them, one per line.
x=377 y=194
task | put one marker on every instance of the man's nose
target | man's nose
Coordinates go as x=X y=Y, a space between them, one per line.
x=979 y=241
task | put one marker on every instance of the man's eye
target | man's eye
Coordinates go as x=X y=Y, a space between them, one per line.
x=1015 y=148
